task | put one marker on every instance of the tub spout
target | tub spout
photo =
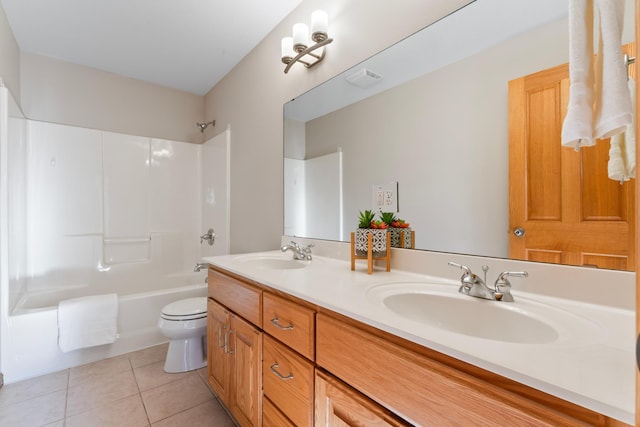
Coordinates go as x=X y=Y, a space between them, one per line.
x=200 y=266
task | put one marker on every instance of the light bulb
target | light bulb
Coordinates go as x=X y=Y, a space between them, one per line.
x=300 y=37
x=319 y=25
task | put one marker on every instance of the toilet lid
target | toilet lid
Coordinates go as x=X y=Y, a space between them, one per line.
x=189 y=307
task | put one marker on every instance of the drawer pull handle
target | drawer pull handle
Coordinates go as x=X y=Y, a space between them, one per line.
x=274 y=369
x=221 y=328
x=226 y=342
x=276 y=322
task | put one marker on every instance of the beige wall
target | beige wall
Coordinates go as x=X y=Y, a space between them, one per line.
x=251 y=96
x=61 y=92
x=9 y=57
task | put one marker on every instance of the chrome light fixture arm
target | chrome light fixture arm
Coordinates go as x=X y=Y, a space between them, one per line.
x=307 y=52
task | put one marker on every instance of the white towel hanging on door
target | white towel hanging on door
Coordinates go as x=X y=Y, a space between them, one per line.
x=613 y=103
x=622 y=153
x=577 y=128
x=607 y=91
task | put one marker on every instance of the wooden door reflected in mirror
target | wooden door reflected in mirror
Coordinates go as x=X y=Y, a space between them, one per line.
x=564 y=206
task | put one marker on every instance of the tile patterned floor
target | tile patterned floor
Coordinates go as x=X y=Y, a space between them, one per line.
x=131 y=390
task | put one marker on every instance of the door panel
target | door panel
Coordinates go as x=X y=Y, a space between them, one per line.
x=217 y=358
x=571 y=212
x=246 y=398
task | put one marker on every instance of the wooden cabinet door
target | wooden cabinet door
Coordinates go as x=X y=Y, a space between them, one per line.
x=569 y=209
x=339 y=405
x=245 y=402
x=218 y=361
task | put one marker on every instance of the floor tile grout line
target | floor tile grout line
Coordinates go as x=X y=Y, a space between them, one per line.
x=66 y=398
x=135 y=377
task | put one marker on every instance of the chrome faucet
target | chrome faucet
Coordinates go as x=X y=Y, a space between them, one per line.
x=299 y=252
x=200 y=266
x=474 y=286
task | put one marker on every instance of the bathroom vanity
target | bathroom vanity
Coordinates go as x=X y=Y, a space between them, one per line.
x=312 y=343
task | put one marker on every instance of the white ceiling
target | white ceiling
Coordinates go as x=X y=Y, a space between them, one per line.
x=183 y=44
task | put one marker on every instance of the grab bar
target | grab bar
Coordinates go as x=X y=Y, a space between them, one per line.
x=127 y=240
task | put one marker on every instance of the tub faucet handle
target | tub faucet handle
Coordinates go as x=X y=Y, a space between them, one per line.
x=209 y=236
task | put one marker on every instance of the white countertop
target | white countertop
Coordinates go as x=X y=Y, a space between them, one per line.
x=594 y=367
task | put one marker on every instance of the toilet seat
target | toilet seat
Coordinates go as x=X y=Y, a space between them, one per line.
x=186 y=309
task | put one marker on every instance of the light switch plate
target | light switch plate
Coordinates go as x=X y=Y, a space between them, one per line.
x=385 y=197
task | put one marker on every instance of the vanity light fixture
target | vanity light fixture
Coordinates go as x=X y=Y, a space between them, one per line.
x=297 y=49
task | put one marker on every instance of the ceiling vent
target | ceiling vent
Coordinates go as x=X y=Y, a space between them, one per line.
x=364 y=78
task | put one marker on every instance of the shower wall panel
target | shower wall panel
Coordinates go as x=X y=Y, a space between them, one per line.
x=64 y=204
x=125 y=163
x=17 y=208
x=175 y=213
x=104 y=207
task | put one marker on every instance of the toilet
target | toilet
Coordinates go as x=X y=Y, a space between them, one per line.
x=184 y=322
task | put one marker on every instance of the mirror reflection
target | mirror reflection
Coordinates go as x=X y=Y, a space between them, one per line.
x=430 y=117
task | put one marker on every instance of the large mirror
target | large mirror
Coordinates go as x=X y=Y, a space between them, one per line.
x=427 y=118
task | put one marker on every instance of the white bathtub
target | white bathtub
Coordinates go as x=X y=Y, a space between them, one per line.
x=30 y=333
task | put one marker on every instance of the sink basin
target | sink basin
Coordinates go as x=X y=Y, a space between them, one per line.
x=441 y=306
x=272 y=262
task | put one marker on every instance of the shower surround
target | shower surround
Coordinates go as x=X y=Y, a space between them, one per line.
x=88 y=212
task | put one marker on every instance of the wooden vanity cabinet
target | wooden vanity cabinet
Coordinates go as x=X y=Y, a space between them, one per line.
x=434 y=390
x=337 y=404
x=235 y=347
x=276 y=360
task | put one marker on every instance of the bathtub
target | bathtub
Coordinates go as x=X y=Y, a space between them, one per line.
x=30 y=333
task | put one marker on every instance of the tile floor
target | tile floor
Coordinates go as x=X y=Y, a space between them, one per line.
x=130 y=390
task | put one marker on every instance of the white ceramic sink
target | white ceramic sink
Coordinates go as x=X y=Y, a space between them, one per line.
x=441 y=306
x=272 y=262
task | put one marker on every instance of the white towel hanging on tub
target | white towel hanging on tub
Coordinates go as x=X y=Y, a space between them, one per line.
x=87 y=321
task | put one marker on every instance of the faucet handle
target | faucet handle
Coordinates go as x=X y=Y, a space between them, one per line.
x=467 y=270
x=307 y=249
x=209 y=236
x=502 y=277
x=503 y=286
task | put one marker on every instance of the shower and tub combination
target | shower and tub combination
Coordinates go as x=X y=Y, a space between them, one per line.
x=85 y=212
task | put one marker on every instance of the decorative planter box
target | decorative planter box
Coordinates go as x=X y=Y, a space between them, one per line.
x=366 y=243
x=401 y=237
x=378 y=241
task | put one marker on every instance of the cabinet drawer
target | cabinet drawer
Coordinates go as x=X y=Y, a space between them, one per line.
x=272 y=417
x=240 y=297
x=288 y=381
x=290 y=323
x=424 y=391
x=337 y=404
